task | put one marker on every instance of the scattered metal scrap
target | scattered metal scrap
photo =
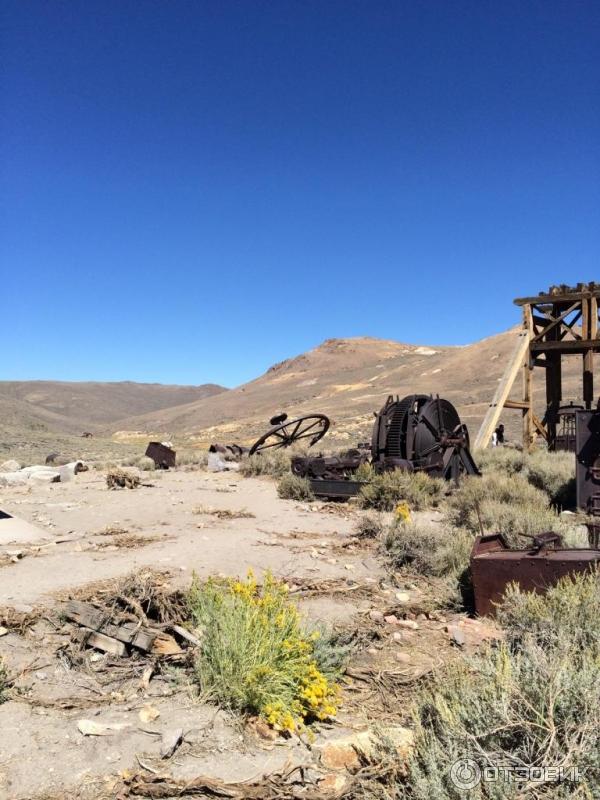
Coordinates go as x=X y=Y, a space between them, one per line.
x=494 y=565
x=418 y=433
x=282 y=433
x=587 y=473
x=162 y=454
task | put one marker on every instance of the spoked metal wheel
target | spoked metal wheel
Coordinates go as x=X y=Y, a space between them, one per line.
x=311 y=427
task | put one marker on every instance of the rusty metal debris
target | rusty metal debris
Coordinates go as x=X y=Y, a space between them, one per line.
x=494 y=565
x=418 y=433
x=587 y=471
x=162 y=455
x=566 y=435
x=283 y=432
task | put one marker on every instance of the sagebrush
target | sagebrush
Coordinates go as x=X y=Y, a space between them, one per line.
x=533 y=700
x=3 y=682
x=292 y=487
x=385 y=490
x=428 y=548
x=275 y=464
x=508 y=504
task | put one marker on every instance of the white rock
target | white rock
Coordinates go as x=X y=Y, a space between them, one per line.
x=10 y=466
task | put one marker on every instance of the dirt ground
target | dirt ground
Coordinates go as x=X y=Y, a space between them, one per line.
x=90 y=535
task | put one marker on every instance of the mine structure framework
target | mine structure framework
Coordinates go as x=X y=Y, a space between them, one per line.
x=561 y=322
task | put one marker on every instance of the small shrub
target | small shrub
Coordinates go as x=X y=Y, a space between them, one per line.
x=120 y=479
x=553 y=473
x=257 y=656
x=332 y=650
x=365 y=473
x=369 y=526
x=505 y=460
x=567 y=615
x=224 y=513
x=145 y=464
x=386 y=490
x=3 y=682
x=291 y=487
x=275 y=464
x=507 y=504
x=428 y=548
x=534 y=700
x=192 y=458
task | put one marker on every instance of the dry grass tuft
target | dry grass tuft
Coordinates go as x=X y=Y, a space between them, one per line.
x=370 y=525
x=121 y=479
x=532 y=701
x=384 y=491
x=291 y=487
x=507 y=504
x=275 y=464
x=224 y=513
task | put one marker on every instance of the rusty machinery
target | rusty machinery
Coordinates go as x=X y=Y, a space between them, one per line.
x=162 y=455
x=494 y=565
x=566 y=427
x=418 y=433
x=283 y=432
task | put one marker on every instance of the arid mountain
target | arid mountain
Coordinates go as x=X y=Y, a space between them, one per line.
x=347 y=379
x=75 y=407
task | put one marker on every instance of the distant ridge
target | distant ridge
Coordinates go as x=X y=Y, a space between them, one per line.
x=67 y=407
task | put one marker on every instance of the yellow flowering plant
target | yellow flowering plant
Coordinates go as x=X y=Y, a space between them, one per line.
x=257 y=655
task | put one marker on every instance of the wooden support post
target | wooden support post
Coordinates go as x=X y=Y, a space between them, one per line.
x=590 y=332
x=520 y=351
x=527 y=375
x=553 y=382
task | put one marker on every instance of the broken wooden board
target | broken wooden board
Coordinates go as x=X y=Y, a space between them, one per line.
x=111 y=637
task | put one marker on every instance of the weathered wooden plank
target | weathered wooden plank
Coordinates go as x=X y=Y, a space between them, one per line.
x=515 y=362
x=105 y=643
x=127 y=632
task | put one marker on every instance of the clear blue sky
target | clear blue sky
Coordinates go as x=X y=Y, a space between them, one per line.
x=194 y=190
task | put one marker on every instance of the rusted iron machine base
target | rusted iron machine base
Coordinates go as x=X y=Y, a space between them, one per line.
x=494 y=566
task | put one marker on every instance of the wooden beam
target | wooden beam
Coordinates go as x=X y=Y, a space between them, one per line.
x=539 y=426
x=567 y=347
x=590 y=330
x=563 y=297
x=557 y=320
x=518 y=404
x=515 y=363
x=527 y=383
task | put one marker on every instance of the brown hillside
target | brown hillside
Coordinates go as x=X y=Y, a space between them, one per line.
x=73 y=407
x=348 y=379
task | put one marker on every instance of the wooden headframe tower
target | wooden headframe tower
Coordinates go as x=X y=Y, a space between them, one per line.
x=561 y=322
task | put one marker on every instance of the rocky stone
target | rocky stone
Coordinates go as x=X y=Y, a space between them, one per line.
x=170 y=741
x=392 y=619
x=334 y=784
x=403 y=658
x=403 y=597
x=343 y=751
x=376 y=616
x=457 y=635
x=410 y=624
x=10 y=466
